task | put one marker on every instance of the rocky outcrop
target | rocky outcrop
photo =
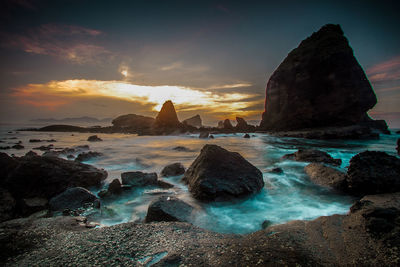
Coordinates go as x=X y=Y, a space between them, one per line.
x=204 y=135
x=242 y=126
x=94 y=138
x=228 y=125
x=138 y=179
x=35 y=176
x=220 y=125
x=218 y=174
x=133 y=122
x=167 y=116
x=325 y=176
x=319 y=84
x=169 y=209
x=373 y=172
x=313 y=155
x=173 y=169
x=194 y=121
x=72 y=199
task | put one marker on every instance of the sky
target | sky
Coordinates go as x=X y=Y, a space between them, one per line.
x=107 y=58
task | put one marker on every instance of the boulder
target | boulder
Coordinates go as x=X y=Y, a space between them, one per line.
x=29 y=206
x=228 y=125
x=72 y=199
x=194 y=121
x=167 y=116
x=173 y=169
x=204 y=135
x=115 y=188
x=133 y=122
x=94 y=138
x=246 y=136
x=218 y=174
x=169 y=209
x=319 y=84
x=373 y=172
x=35 y=176
x=137 y=178
x=325 y=176
x=84 y=156
x=313 y=155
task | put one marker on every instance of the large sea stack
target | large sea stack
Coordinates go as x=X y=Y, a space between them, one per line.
x=319 y=84
x=167 y=116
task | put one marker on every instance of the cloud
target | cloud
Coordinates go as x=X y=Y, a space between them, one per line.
x=68 y=42
x=231 y=86
x=172 y=66
x=385 y=71
x=55 y=94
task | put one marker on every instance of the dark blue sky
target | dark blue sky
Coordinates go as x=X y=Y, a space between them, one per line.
x=221 y=47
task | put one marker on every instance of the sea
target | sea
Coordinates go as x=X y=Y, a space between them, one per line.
x=285 y=197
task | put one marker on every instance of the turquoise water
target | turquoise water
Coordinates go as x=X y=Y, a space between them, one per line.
x=285 y=197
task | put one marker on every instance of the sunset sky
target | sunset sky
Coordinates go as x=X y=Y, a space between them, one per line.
x=107 y=58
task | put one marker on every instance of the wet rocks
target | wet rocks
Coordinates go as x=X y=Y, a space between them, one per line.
x=35 y=176
x=29 y=206
x=173 y=169
x=218 y=174
x=115 y=187
x=325 y=176
x=313 y=155
x=319 y=84
x=94 y=138
x=7 y=205
x=84 y=156
x=194 y=121
x=246 y=136
x=276 y=170
x=373 y=172
x=44 y=148
x=138 y=179
x=169 y=209
x=72 y=198
x=204 y=135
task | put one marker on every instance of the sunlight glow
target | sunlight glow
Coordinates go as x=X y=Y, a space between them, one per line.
x=184 y=98
x=124 y=73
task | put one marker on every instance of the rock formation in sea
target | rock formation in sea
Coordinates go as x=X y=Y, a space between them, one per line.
x=194 y=121
x=227 y=124
x=133 y=122
x=167 y=116
x=319 y=84
x=218 y=174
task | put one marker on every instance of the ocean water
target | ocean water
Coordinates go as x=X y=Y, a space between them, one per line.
x=285 y=197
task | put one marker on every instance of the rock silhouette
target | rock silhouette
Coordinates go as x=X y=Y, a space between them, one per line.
x=167 y=116
x=319 y=84
x=194 y=121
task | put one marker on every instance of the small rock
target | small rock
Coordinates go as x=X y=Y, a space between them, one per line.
x=72 y=198
x=313 y=155
x=211 y=136
x=34 y=140
x=325 y=176
x=94 y=138
x=18 y=146
x=181 y=148
x=84 y=156
x=31 y=154
x=266 y=224
x=114 y=188
x=138 y=178
x=169 y=209
x=204 y=135
x=276 y=170
x=246 y=136
x=174 y=169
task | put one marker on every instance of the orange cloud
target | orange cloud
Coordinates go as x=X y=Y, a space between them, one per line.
x=57 y=93
x=385 y=71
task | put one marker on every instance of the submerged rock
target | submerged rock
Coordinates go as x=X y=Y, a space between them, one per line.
x=373 y=172
x=84 y=156
x=217 y=174
x=72 y=199
x=173 y=169
x=138 y=179
x=313 y=155
x=325 y=176
x=169 y=209
x=94 y=138
x=319 y=84
x=194 y=121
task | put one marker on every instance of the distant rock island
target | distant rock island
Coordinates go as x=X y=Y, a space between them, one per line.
x=319 y=84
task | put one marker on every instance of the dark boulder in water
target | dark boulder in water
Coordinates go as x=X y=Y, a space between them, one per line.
x=115 y=188
x=218 y=174
x=173 y=169
x=313 y=155
x=72 y=198
x=169 y=209
x=137 y=178
x=373 y=172
x=319 y=84
x=94 y=138
x=246 y=136
x=84 y=156
x=204 y=135
x=194 y=121
x=325 y=176
x=35 y=176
